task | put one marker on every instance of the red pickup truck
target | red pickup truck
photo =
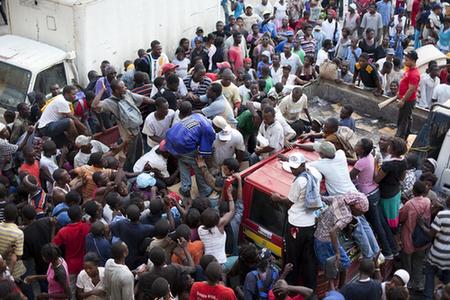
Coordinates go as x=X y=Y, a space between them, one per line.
x=264 y=223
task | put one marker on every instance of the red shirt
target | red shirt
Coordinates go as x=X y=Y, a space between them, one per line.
x=271 y=296
x=73 y=237
x=236 y=57
x=412 y=76
x=204 y=291
x=31 y=170
x=443 y=75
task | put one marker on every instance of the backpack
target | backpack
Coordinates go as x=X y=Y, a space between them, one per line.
x=263 y=291
x=129 y=115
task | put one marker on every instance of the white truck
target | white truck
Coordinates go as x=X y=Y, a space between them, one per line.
x=60 y=41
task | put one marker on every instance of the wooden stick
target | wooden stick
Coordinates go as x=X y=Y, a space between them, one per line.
x=385 y=103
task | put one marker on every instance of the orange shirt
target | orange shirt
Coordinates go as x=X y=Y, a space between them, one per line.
x=86 y=172
x=195 y=248
x=33 y=170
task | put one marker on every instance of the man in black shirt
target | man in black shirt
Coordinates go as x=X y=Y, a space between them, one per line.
x=36 y=234
x=365 y=287
x=368 y=74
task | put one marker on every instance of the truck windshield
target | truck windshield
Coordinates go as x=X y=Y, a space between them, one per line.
x=14 y=83
x=266 y=215
x=50 y=76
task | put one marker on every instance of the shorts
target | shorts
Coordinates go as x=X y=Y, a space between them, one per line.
x=57 y=128
x=324 y=250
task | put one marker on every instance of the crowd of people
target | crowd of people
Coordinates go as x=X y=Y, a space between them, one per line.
x=84 y=220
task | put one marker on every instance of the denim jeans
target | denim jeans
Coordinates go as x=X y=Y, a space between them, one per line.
x=365 y=238
x=186 y=162
x=430 y=274
x=235 y=223
x=417 y=42
x=224 y=4
x=379 y=225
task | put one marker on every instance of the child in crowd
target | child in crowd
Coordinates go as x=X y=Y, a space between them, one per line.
x=346 y=117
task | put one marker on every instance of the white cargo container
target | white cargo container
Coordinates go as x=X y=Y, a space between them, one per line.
x=90 y=31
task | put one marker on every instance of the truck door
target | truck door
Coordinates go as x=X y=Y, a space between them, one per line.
x=56 y=74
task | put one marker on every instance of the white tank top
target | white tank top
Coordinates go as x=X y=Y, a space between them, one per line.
x=214 y=242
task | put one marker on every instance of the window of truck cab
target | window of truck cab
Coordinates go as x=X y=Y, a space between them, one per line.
x=53 y=75
x=267 y=214
x=14 y=82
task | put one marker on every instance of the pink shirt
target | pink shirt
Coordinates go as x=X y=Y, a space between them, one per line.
x=236 y=57
x=364 y=180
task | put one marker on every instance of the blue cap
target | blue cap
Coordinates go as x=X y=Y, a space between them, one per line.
x=145 y=180
x=333 y=295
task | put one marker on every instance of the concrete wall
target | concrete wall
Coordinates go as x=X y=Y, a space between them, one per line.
x=363 y=102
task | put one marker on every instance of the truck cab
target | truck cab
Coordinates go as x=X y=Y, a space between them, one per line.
x=29 y=66
x=264 y=223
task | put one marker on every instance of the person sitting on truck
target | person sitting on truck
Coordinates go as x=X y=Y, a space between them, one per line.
x=333 y=166
x=57 y=120
x=270 y=136
x=300 y=232
x=339 y=213
x=87 y=146
x=110 y=75
x=339 y=136
x=294 y=108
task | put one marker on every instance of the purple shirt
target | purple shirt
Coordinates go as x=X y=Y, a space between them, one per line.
x=98 y=88
x=364 y=180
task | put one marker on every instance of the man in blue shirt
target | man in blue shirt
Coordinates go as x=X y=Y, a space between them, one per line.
x=268 y=26
x=384 y=7
x=194 y=135
x=219 y=105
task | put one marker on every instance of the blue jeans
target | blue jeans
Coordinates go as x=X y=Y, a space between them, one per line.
x=379 y=225
x=430 y=274
x=417 y=42
x=236 y=223
x=365 y=238
x=224 y=4
x=186 y=162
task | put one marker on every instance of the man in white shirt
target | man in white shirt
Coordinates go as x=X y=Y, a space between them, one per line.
x=330 y=26
x=87 y=146
x=229 y=142
x=294 y=108
x=333 y=166
x=322 y=55
x=428 y=82
x=250 y=18
x=301 y=223
x=57 y=120
x=270 y=137
x=158 y=122
x=441 y=93
x=288 y=58
x=156 y=161
x=263 y=6
x=118 y=280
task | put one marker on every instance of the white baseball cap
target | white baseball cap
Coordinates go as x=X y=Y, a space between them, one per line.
x=296 y=160
x=403 y=275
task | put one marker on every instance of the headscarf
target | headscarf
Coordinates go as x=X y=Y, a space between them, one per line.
x=340 y=204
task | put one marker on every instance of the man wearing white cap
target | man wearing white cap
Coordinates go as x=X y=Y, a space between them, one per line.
x=250 y=18
x=228 y=144
x=399 y=279
x=86 y=146
x=333 y=166
x=301 y=226
x=352 y=20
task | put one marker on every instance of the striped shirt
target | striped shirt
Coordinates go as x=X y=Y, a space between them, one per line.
x=10 y=235
x=197 y=88
x=439 y=254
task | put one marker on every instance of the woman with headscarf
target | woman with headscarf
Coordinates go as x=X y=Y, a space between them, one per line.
x=332 y=220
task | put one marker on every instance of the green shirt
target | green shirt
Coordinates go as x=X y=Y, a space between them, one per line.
x=300 y=53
